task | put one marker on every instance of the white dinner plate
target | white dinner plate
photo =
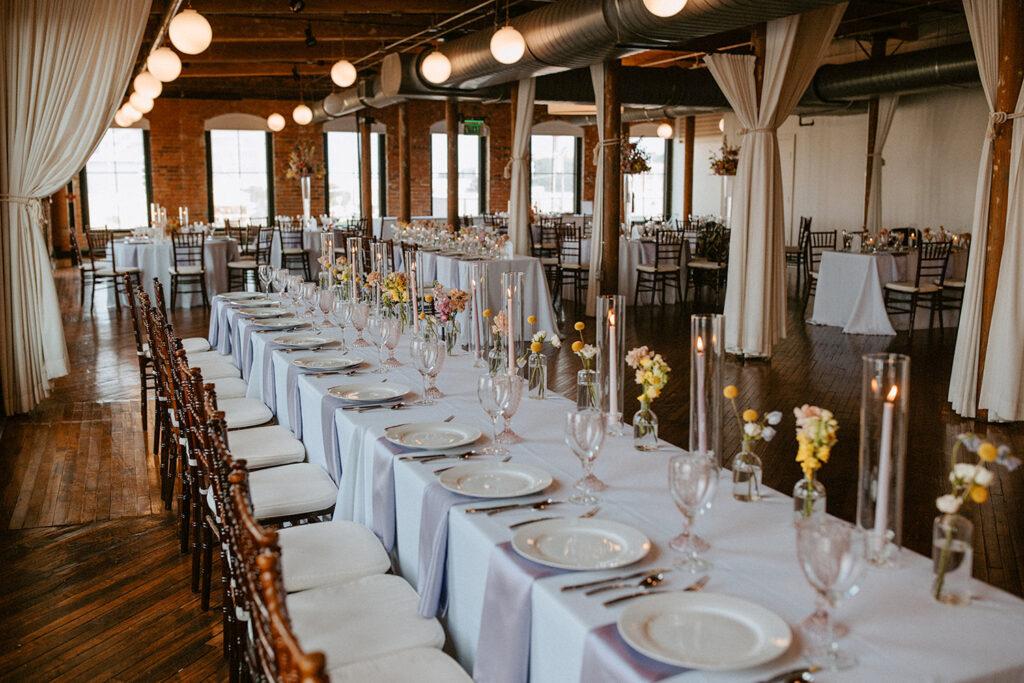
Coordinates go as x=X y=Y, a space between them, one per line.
x=264 y=313
x=278 y=323
x=432 y=435
x=581 y=544
x=707 y=631
x=242 y=296
x=369 y=392
x=254 y=303
x=300 y=340
x=326 y=362
x=495 y=479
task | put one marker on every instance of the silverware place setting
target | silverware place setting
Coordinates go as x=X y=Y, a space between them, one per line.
x=586 y=515
x=695 y=586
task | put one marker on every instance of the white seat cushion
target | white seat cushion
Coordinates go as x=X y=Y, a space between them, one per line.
x=248 y=263
x=330 y=552
x=704 y=264
x=291 y=490
x=240 y=413
x=952 y=284
x=267 y=446
x=574 y=266
x=548 y=261
x=292 y=251
x=186 y=270
x=663 y=268
x=908 y=287
x=208 y=356
x=107 y=272
x=361 y=619
x=418 y=665
x=229 y=387
x=216 y=369
x=191 y=345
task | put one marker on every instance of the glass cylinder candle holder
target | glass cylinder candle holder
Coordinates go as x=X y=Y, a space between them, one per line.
x=512 y=293
x=884 y=417
x=707 y=362
x=611 y=354
x=327 y=247
x=477 y=304
x=354 y=249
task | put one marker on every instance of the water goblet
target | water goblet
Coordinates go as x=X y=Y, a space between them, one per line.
x=427 y=355
x=393 y=337
x=266 y=274
x=432 y=390
x=294 y=288
x=693 y=480
x=493 y=393
x=376 y=330
x=281 y=280
x=307 y=292
x=584 y=434
x=360 y=314
x=507 y=436
x=342 y=316
x=325 y=301
x=833 y=558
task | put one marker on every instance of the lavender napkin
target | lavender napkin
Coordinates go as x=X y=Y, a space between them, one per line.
x=220 y=328
x=328 y=405
x=607 y=658
x=503 y=647
x=384 y=453
x=291 y=392
x=433 y=559
x=269 y=379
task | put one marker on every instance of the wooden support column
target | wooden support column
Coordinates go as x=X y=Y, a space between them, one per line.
x=1011 y=73
x=59 y=223
x=689 y=133
x=877 y=52
x=612 y=180
x=365 y=173
x=404 y=193
x=451 y=126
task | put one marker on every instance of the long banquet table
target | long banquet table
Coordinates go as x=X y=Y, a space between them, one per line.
x=896 y=630
x=154 y=259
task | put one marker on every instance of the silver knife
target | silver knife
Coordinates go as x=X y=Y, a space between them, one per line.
x=613 y=579
x=695 y=586
x=512 y=506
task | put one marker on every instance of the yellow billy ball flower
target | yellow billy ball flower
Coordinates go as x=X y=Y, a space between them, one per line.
x=979 y=494
x=987 y=452
x=487 y=313
x=578 y=327
x=749 y=415
x=429 y=298
x=532 y=320
x=730 y=392
x=536 y=347
x=576 y=346
x=423 y=316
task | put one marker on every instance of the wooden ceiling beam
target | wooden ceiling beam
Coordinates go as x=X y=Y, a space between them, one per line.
x=226 y=53
x=323 y=8
x=260 y=29
x=249 y=70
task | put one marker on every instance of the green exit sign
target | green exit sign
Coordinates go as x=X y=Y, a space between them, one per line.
x=473 y=126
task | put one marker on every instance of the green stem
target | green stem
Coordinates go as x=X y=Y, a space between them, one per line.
x=808 y=499
x=947 y=549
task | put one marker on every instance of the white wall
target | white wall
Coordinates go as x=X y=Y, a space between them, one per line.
x=931 y=168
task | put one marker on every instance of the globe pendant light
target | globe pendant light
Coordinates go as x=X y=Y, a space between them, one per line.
x=141 y=102
x=721 y=124
x=147 y=84
x=436 y=67
x=664 y=8
x=121 y=119
x=343 y=73
x=508 y=45
x=275 y=122
x=130 y=112
x=190 y=32
x=165 y=64
x=665 y=131
x=302 y=115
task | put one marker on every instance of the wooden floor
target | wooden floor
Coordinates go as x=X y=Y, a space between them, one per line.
x=94 y=587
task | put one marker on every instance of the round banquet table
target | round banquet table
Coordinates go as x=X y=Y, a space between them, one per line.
x=632 y=253
x=154 y=258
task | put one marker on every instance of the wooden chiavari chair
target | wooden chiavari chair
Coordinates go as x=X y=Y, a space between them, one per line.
x=104 y=265
x=293 y=250
x=817 y=243
x=189 y=267
x=86 y=269
x=147 y=376
x=666 y=271
x=572 y=271
x=903 y=298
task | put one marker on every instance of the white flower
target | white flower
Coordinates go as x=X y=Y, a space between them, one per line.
x=752 y=428
x=774 y=417
x=768 y=433
x=962 y=473
x=948 y=504
x=982 y=476
x=556 y=342
x=970 y=441
x=539 y=335
x=588 y=351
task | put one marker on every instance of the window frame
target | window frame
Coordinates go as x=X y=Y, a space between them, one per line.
x=482 y=156
x=147 y=170
x=666 y=191
x=577 y=169
x=382 y=171
x=269 y=152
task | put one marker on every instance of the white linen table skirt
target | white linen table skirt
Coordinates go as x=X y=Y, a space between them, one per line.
x=154 y=259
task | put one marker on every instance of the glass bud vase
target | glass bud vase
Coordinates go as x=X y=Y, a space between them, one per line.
x=588 y=395
x=451 y=337
x=496 y=358
x=952 y=559
x=645 y=428
x=746 y=476
x=538 y=374
x=808 y=501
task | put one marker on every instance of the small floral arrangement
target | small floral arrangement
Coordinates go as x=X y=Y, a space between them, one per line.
x=651 y=373
x=302 y=164
x=816 y=433
x=634 y=159
x=339 y=272
x=753 y=428
x=970 y=481
x=448 y=303
x=727 y=160
x=586 y=352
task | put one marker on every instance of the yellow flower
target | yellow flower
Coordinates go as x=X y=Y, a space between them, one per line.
x=653 y=392
x=536 y=347
x=577 y=345
x=532 y=320
x=749 y=415
x=988 y=453
x=487 y=313
x=979 y=494
x=730 y=392
x=429 y=298
x=423 y=316
x=823 y=453
x=578 y=327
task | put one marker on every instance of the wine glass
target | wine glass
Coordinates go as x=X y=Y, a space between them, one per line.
x=427 y=356
x=294 y=290
x=393 y=337
x=832 y=557
x=342 y=316
x=307 y=292
x=507 y=436
x=281 y=280
x=693 y=480
x=360 y=314
x=493 y=393
x=584 y=434
x=324 y=299
x=376 y=330
x=266 y=273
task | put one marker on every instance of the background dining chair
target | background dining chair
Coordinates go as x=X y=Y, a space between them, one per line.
x=86 y=270
x=293 y=251
x=817 y=243
x=244 y=270
x=797 y=256
x=903 y=297
x=188 y=269
x=104 y=265
x=572 y=271
x=666 y=271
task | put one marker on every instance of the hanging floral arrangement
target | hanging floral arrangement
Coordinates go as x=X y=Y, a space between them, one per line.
x=302 y=164
x=727 y=159
x=634 y=159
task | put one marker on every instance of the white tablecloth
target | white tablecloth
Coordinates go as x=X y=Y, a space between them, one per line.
x=310 y=242
x=896 y=630
x=154 y=259
x=631 y=254
x=849 y=292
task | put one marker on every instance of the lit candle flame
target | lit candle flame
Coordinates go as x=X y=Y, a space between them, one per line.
x=700 y=344
x=892 y=393
x=611 y=318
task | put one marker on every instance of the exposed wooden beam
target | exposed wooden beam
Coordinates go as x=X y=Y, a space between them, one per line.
x=248 y=70
x=451 y=126
x=611 y=182
x=365 y=172
x=689 y=133
x=877 y=52
x=318 y=8
x=291 y=52
x=262 y=29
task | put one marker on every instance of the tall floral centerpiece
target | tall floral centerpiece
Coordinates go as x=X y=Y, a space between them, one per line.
x=816 y=434
x=952 y=549
x=588 y=395
x=303 y=165
x=746 y=465
x=635 y=161
x=652 y=375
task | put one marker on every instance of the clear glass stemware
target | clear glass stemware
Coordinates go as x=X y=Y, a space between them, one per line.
x=377 y=330
x=266 y=274
x=391 y=342
x=427 y=355
x=493 y=393
x=342 y=316
x=584 y=434
x=693 y=480
x=360 y=314
x=507 y=436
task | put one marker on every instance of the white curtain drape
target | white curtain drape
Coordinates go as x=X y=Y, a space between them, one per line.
x=755 y=296
x=519 y=208
x=597 y=223
x=886 y=110
x=64 y=67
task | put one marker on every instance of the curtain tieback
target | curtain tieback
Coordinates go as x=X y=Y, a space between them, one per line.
x=34 y=204
x=610 y=142
x=997 y=118
x=745 y=131
x=507 y=173
x=881 y=159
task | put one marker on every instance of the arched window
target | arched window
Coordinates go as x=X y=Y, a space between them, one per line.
x=344 y=196
x=472 y=171
x=556 y=151
x=116 y=182
x=239 y=168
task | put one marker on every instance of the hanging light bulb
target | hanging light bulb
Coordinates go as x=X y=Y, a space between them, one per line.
x=147 y=84
x=664 y=8
x=190 y=32
x=141 y=102
x=130 y=112
x=275 y=122
x=121 y=119
x=165 y=64
x=302 y=115
x=436 y=67
x=721 y=124
x=665 y=131
x=508 y=45
x=343 y=73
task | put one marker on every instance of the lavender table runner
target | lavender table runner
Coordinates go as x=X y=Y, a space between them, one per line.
x=503 y=648
x=607 y=658
x=328 y=405
x=433 y=555
x=383 y=503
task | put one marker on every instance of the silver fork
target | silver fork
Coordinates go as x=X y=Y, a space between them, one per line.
x=695 y=586
x=445 y=469
x=586 y=515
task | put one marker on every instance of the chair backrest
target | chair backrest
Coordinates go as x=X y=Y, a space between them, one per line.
x=805 y=232
x=668 y=248
x=189 y=249
x=158 y=296
x=291 y=236
x=244 y=237
x=136 y=320
x=101 y=247
x=264 y=241
x=932 y=259
x=258 y=222
x=76 y=251
x=569 y=239
x=818 y=242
